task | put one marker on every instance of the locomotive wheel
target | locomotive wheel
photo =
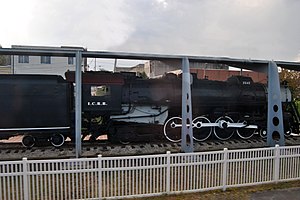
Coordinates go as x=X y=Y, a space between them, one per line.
x=245 y=133
x=57 y=140
x=288 y=129
x=224 y=133
x=288 y=132
x=172 y=129
x=263 y=133
x=201 y=133
x=28 y=141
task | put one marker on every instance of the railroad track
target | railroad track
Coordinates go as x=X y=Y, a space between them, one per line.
x=15 y=151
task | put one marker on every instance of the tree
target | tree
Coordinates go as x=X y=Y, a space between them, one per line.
x=3 y=59
x=144 y=75
x=293 y=81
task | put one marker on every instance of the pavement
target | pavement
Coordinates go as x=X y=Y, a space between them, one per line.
x=282 y=194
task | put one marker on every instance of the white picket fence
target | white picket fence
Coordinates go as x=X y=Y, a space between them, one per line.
x=150 y=175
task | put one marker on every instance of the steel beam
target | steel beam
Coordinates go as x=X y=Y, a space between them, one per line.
x=250 y=64
x=275 y=130
x=78 y=82
x=187 y=128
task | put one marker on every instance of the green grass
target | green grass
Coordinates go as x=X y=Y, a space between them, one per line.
x=231 y=193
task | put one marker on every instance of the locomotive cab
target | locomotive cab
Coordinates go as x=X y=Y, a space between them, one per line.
x=101 y=91
x=101 y=98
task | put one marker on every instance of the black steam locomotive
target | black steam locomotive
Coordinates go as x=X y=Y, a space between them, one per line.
x=128 y=108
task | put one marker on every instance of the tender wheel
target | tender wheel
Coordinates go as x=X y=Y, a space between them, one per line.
x=57 y=140
x=124 y=140
x=224 y=133
x=92 y=138
x=28 y=141
x=172 y=129
x=245 y=133
x=263 y=133
x=201 y=133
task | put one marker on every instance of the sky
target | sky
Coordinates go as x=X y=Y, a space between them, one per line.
x=256 y=29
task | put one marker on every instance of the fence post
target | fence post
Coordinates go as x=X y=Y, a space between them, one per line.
x=225 y=152
x=276 y=163
x=25 y=179
x=168 y=182
x=100 y=176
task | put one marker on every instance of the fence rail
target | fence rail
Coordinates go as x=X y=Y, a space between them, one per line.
x=140 y=176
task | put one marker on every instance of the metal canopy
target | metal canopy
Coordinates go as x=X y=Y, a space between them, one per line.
x=250 y=64
x=179 y=60
x=37 y=52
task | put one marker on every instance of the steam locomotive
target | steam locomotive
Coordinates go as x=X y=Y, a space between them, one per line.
x=128 y=108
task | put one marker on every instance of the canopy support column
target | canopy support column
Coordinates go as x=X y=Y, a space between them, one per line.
x=187 y=128
x=78 y=83
x=275 y=130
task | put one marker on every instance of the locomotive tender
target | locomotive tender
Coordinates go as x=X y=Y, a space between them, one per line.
x=128 y=108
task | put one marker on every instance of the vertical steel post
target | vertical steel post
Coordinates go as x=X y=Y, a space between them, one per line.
x=100 y=176
x=225 y=163
x=25 y=179
x=78 y=103
x=168 y=181
x=276 y=163
x=187 y=128
x=275 y=130
x=13 y=64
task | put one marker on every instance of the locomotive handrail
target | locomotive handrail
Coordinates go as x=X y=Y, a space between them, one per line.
x=141 y=116
x=30 y=129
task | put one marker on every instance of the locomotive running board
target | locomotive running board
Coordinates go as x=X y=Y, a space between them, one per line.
x=33 y=129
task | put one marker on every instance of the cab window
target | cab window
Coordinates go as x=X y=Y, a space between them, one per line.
x=100 y=90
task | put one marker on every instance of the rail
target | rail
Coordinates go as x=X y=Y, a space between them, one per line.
x=149 y=175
